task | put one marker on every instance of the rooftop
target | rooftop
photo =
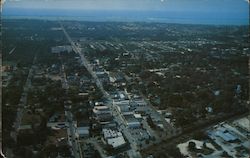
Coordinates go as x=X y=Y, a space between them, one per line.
x=113 y=137
x=130 y=118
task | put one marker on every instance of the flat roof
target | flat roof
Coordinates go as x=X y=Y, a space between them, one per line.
x=83 y=130
x=226 y=136
x=109 y=133
x=244 y=122
x=116 y=142
x=130 y=118
x=101 y=107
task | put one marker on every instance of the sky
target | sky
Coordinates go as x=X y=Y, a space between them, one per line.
x=218 y=9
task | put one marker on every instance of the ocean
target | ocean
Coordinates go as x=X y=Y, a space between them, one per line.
x=130 y=16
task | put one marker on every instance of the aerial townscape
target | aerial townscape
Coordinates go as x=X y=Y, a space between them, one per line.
x=95 y=89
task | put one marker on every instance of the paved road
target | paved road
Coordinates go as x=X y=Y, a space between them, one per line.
x=151 y=131
x=21 y=105
x=72 y=132
x=72 y=129
x=23 y=100
x=97 y=146
x=167 y=127
x=12 y=50
x=85 y=62
x=186 y=135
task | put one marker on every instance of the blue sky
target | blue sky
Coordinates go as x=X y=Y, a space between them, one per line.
x=214 y=8
x=190 y=5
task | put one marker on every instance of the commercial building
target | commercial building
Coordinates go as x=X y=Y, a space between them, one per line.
x=83 y=132
x=131 y=121
x=122 y=106
x=226 y=136
x=113 y=138
x=102 y=113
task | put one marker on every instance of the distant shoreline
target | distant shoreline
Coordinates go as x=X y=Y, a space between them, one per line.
x=90 y=19
x=129 y=16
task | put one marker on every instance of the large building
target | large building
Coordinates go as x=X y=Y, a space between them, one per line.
x=113 y=138
x=83 y=132
x=243 y=123
x=102 y=113
x=60 y=49
x=122 y=106
x=131 y=121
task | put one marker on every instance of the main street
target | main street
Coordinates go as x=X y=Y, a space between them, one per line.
x=94 y=142
x=72 y=131
x=115 y=113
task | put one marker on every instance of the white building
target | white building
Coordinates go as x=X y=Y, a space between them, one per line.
x=83 y=132
x=122 y=105
x=102 y=112
x=113 y=138
x=131 y=121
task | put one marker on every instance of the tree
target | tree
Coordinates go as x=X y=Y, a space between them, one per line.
x=26 y=138
x=50 y=150
x=64 y=150
x=174 y=152
x=200 y=135
x=191 y=146
x=225 y=154
x=150 y=122
x=23 y=152
x=204 y=145
x=153 y=138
